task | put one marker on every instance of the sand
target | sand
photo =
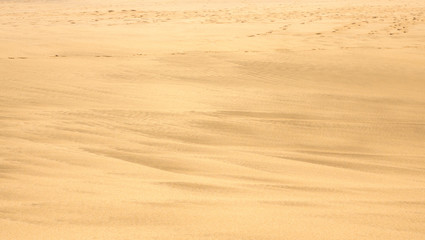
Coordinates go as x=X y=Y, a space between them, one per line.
x=184 y=119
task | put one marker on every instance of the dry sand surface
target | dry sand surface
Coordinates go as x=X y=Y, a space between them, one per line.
x=197 y=119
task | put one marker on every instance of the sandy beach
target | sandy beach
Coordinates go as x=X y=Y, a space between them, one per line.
x=212 y=120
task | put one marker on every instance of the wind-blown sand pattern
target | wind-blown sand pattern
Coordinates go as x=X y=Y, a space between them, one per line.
x=184 y=119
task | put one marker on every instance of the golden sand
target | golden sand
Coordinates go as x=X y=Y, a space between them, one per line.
x=195 y=120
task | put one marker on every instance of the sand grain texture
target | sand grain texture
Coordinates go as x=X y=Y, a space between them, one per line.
x=178 y=119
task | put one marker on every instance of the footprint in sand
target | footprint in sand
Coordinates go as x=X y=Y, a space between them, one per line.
x=17 y=58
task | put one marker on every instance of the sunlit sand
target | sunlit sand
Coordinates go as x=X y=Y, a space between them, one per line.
x=178 y=119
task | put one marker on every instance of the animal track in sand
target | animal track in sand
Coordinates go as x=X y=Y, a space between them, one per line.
x=285 y=27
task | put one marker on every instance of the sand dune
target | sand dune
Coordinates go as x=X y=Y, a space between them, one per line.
x=168 y=119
